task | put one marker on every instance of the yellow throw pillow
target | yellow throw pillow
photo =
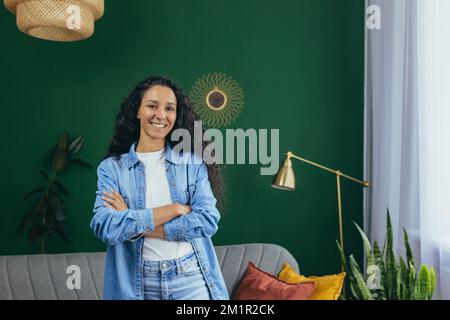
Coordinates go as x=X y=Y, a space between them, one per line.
x=327 y=287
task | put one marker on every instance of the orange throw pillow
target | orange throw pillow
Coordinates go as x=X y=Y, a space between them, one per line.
x=257 y=284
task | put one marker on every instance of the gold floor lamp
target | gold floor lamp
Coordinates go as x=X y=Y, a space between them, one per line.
x=285 y=180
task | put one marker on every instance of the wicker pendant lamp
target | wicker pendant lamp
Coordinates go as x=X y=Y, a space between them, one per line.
x=57 y=20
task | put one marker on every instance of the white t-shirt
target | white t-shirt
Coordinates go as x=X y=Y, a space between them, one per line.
x=158 y=194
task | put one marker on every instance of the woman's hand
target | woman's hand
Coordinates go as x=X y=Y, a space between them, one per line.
x=181 y=209
x=114 y=200
x=168 y=212
x=175 y=210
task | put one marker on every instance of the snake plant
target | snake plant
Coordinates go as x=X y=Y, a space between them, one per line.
x=386 y=278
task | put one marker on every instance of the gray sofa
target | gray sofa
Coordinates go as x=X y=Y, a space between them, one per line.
x=43 y=276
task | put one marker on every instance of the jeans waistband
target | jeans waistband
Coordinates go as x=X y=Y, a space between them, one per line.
x=168 y=264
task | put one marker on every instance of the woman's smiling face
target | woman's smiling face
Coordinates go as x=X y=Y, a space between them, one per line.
x=158 y=112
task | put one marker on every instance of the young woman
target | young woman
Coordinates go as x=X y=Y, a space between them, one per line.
x=157 y=214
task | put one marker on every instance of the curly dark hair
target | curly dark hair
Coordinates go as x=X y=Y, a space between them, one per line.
x=127 y=127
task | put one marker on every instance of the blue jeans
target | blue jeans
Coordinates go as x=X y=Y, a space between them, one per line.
x=177 y=279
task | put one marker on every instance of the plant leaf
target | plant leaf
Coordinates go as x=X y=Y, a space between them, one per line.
x=59 y=230
x=25 y=219
x=343 y=261
x=57 y=207
x=404 y=291
x=391 y=268
x=76 y=145
x=360 y=282
x=409 y=255
x=61 y=188
x=42 y=172
x=81 y=163
x=59 y=160
x=413 y=283
x=404 y=273
x=37 y=232
x=398 y=282
x=342 y=256
x=433 y=283
x=62 y=145
x=424 y=283
x=32 y=193
x=54 y=193
x=383 y=251
x=355 y=292
x=367 y=246
x=379 y=262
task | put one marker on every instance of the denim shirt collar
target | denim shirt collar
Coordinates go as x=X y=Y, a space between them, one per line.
x=133 y=159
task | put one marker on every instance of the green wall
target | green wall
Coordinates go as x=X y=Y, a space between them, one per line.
x=299 y=62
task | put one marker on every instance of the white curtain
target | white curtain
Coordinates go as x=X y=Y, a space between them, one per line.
x=407 y=130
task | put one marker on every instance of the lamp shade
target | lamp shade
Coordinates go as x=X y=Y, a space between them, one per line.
x=285 y=178
x=57 y=20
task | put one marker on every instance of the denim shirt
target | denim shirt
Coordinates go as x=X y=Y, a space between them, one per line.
x=123 y=231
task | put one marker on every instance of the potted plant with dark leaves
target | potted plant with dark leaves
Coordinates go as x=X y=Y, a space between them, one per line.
x=48 y=211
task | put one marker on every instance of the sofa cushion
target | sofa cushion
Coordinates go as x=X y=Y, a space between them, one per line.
x=259 y=285
x=327 y=287
x=233 y=260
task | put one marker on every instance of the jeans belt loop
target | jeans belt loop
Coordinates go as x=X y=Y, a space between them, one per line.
x=179 y=266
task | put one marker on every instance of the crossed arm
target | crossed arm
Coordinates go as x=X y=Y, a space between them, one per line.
x=161 y=215
x=113 y=222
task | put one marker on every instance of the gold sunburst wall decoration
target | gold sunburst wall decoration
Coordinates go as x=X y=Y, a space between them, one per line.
x=217 y=98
